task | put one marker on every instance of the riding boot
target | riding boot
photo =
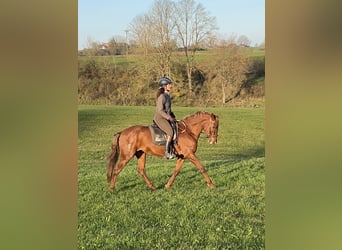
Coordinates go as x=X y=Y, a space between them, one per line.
x=168 y=149
x=171 y=151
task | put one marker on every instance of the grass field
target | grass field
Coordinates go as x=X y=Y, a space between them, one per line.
x=201 y=56
x=189 y=215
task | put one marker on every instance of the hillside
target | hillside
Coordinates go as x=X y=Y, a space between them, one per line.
x=132 y=79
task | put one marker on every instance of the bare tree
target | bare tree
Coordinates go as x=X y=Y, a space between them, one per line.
x=231 y=70
x=244 y=41
x=194 y=26
x=141 y=31
x=153 y=32
x=162 y=25
x=91 y=46
x=117 y=45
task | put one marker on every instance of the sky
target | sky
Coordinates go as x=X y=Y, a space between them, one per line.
x=102 y=19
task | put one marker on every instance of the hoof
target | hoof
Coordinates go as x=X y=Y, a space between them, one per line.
x=152 y=188
x=211 y=185
x=167 y=187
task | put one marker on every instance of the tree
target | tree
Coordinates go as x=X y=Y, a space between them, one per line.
x=142 y=32
x=243 y=41
x=231 y=69
x=117 y=45
x=194 y=27
x=163 y=26
x=153 y=32
x=91 y=46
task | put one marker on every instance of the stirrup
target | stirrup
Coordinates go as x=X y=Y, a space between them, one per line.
x=169 y=156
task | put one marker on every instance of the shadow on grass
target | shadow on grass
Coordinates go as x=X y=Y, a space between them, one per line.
x=227 y=166
x=229 y=159
x=214 y=167
x=138 y=183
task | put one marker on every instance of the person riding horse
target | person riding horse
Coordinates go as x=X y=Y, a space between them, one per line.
x=164 y=116
x=137 y=141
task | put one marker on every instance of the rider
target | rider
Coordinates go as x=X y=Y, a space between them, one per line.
x=164 y=115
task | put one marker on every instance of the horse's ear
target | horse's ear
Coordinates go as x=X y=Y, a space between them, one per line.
x=213 y=117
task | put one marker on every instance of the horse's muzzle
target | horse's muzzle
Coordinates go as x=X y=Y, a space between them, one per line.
x=212 y=141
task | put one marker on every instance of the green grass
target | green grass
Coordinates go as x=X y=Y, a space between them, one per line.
x=108 y=61
x=201 y=56
x=189 y=215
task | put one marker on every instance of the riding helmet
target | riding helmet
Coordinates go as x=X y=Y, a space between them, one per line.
x=164 y=81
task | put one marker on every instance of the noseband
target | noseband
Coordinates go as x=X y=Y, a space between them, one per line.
x=212 y=130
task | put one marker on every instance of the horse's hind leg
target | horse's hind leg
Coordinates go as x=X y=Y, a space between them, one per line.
x=117 y=171
x=141 y=169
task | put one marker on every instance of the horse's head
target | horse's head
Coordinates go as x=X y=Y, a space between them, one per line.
x=202 y=121
x=212 y=129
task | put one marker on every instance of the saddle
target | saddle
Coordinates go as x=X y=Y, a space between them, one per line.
x=159 y=136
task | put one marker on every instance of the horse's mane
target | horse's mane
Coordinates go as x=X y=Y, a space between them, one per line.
x=201 y=112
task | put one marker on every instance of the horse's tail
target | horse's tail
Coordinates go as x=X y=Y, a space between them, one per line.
x=114 y=156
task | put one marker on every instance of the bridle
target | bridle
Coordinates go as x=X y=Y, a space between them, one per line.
x=211 y=130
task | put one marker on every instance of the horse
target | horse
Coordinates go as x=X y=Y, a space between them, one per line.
x=137 y=141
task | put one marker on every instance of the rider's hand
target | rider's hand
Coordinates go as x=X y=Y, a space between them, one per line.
x=171 y=119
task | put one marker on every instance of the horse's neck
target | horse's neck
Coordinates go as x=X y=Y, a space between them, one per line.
x=196 y=126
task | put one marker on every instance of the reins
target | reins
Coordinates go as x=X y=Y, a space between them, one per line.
x=182 y=131
x=208 y=129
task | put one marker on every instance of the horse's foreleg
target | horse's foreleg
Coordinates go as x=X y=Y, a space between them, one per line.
x=142 y=172
x=197 y=163
x=179 y=164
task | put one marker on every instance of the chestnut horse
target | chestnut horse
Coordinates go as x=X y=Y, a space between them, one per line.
x=137 y=141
